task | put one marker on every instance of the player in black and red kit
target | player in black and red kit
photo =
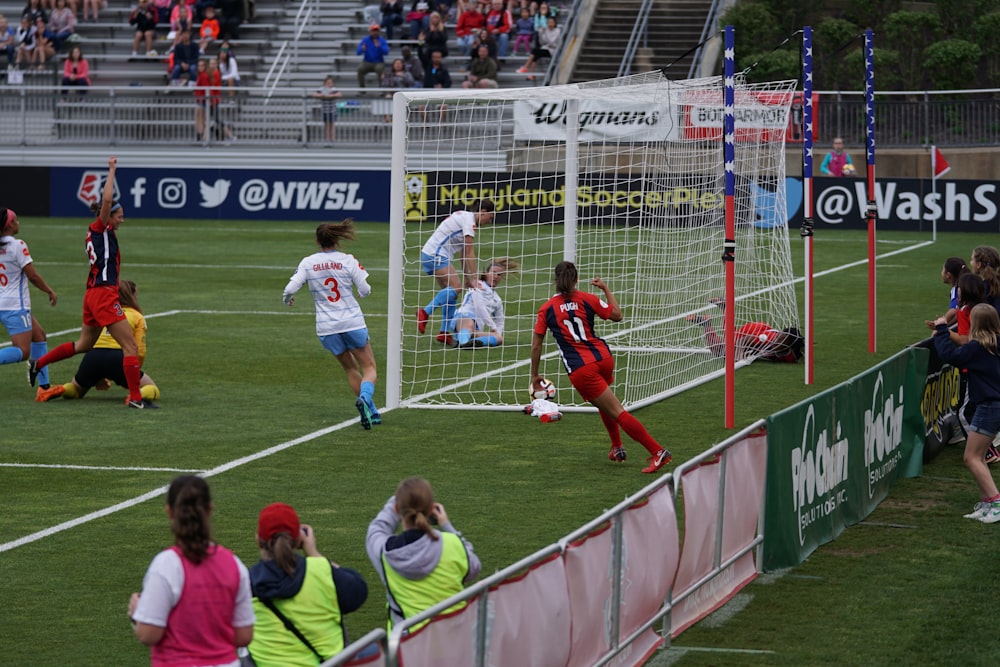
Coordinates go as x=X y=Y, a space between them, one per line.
x=569 y=315
x=101 y=307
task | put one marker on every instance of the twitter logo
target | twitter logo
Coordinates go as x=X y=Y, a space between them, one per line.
x=212 y=196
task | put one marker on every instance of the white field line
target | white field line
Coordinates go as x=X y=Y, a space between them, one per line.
x=156 y=493
x=61 y=466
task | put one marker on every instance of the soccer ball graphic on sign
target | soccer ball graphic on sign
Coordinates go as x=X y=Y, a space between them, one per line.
x=542 y=389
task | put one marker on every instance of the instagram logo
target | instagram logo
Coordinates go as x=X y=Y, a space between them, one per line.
x=172 y=193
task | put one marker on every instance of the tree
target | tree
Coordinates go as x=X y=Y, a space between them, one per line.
x=986 y=28
x=910 y=33
x=755 y=30
x=834 y=38
x=952 y=63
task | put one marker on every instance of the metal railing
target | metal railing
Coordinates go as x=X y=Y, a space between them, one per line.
x=637 y=38
x=709 y=28
x=33 y=115
x=285 y=54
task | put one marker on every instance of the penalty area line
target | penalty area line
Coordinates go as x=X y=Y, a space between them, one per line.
x=66 y=466
x=159 y=492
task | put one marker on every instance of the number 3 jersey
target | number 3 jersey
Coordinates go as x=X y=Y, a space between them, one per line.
x=14 y=256
x=571 y=321
x=332 y=278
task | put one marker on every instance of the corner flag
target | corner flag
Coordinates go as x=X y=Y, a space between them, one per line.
x=939 y=166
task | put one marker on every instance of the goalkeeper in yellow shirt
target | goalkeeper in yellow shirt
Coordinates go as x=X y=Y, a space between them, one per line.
x=102 y=365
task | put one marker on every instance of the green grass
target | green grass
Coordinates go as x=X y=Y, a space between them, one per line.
x=251 y=375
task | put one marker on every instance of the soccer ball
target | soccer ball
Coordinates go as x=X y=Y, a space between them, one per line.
x=544 y=390
x=848 y=169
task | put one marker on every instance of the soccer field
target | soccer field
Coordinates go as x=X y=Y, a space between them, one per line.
x=250 y=398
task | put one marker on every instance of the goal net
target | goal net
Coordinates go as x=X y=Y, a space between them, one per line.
x=625 y=178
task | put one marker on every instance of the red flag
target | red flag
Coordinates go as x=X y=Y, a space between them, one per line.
x=939 y=166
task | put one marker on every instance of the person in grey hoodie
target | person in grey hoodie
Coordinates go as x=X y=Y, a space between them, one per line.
x=424 y=564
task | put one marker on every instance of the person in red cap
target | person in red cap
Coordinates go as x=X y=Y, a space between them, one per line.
x=373 y=49
x=308 y=591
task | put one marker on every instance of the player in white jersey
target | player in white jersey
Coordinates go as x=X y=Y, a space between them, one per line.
x=332 y=277
x=455 y=235
x=479 y=320
x=16 y=270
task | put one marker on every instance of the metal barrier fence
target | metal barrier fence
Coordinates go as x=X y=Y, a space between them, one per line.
x=48 y=115
x=626 y=638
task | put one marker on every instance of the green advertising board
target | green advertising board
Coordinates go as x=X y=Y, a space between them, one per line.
x=832 y=459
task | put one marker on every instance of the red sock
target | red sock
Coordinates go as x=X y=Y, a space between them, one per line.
x=612 y=426
x=638 y=432
x=64 y=351
x=131 y=367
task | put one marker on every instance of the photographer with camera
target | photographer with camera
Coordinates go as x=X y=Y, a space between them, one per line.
x=428 y=562
x=299 y=600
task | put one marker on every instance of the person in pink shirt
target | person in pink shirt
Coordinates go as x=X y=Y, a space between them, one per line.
x=76 y=71
x=196 y=607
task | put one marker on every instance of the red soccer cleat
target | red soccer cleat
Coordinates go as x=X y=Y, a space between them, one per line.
x=444 y=337
x=617 y=454
x=662 y=458
x=422 y=318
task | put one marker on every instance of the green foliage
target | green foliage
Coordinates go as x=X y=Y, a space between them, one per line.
x=755 y=29
x=910 y=33
x=791 y=15
x=952 y=63
x=832 y=40
x=776 y=65
x=886 y=68
x=871 y=13
x=957 y=14
x=986 y=28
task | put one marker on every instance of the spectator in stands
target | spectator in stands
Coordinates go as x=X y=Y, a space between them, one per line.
x=26 y=40
x=499 y=23
x=143 y=17
x=545 y=12
x=185 y=61
x=418 y=18
x=232 y=18
x=437 y=75
x=413 y=65
x=484 y=37
x=214 y=78
x=373 y=49
x=195 y=606
x=181 y=19
x=525 y=27
x=33 y=10
x=392 y=16
x=91 y=8
x=470 y=22
x=8 y=40
x=328 y=96
x=228 y=68
x=482 y=71
x=76 y=71
x=435 y=38
x=162 y=8
x=201 y=101
x=44 y=48
x=209 y=30
x=549 y=39
x=307 y=592
x=198 y=8
x=62 y=24
x=429 y=561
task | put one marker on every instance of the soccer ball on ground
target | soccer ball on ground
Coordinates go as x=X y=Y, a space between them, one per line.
x=543 y=389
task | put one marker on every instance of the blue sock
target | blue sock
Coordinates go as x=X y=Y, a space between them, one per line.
x=367 y=391
x=448 y=310
x=464 y=336
x=37 y=351
x=10 y=355
x=489 y=341
x=444 y=296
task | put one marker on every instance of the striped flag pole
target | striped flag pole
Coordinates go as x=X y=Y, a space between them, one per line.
x=807 y=192
x=729 y=246
x=870 y=153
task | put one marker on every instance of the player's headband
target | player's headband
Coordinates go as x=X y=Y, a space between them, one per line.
x=115 y=208
x=8 y=217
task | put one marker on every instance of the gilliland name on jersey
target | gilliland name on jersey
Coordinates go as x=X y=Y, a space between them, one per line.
x=328 y=266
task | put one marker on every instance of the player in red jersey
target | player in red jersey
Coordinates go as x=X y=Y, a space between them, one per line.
x=754 y=340
x=101 y=307
x=569 y=315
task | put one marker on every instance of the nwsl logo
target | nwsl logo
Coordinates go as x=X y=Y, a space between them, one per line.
x=91 y=183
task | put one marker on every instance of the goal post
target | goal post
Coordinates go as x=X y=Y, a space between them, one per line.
x=625 y=178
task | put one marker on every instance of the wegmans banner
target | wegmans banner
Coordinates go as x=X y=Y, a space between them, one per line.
x=833 y=458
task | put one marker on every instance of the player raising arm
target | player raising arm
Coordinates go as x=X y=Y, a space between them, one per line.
x=569 y=315
x=101 y=307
